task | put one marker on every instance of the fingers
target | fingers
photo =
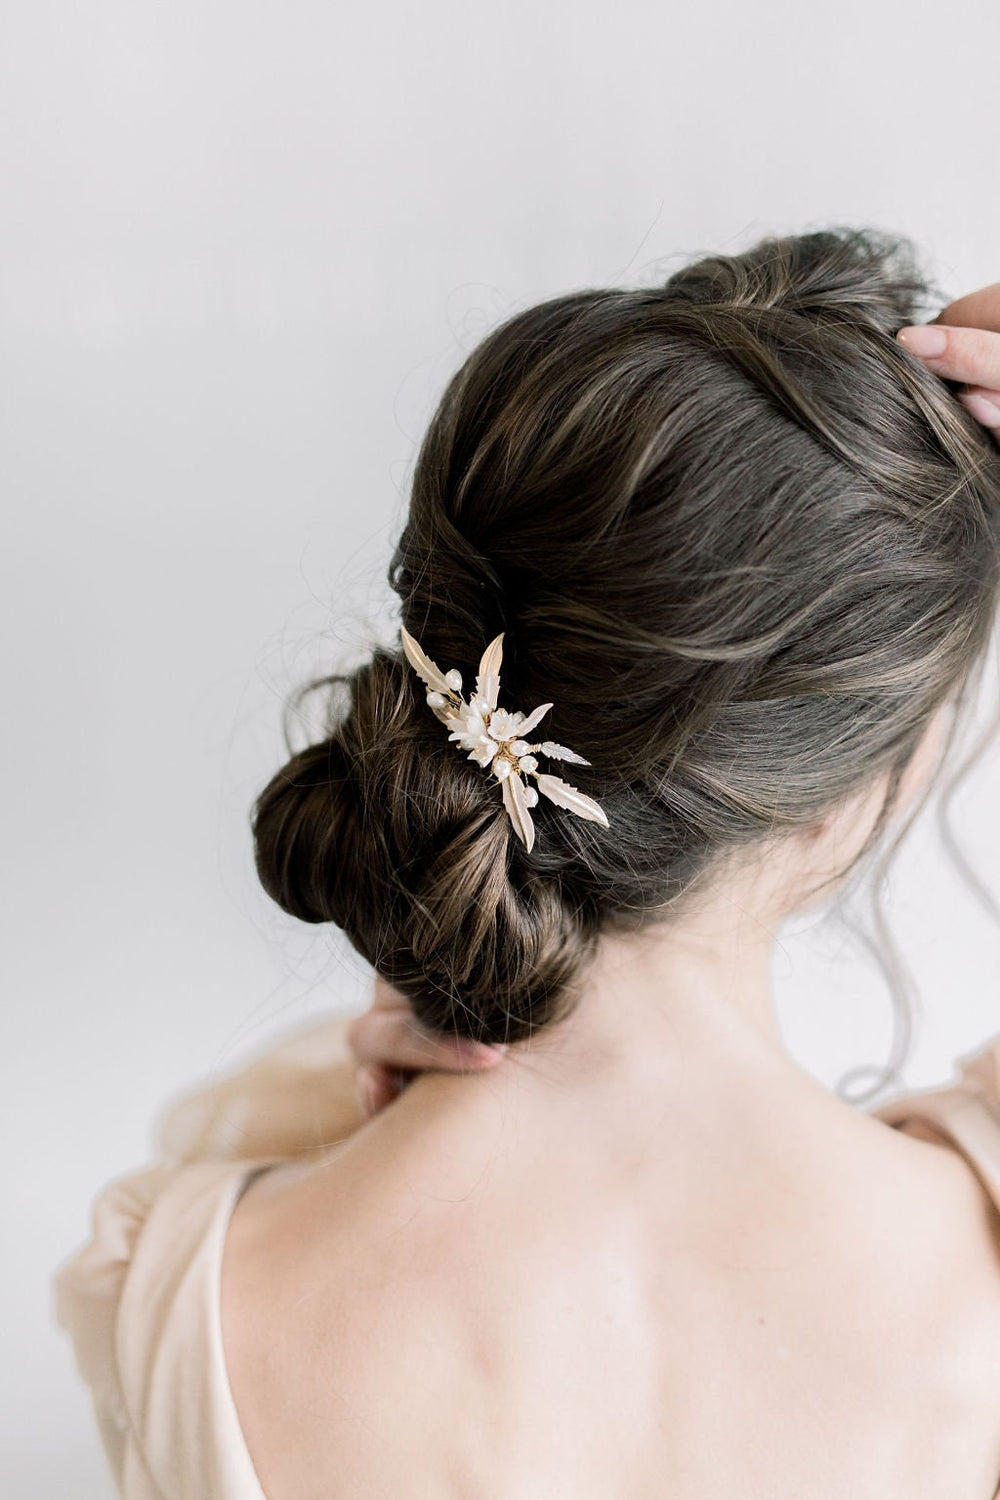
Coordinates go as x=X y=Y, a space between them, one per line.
x=393 y=1038
x=984 y=405
x=979 y=309
x=970 y=355
x=391 y=1047
x=376 y=1087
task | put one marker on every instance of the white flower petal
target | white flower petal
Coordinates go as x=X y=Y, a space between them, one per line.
x=504 y=725
x=469 y=729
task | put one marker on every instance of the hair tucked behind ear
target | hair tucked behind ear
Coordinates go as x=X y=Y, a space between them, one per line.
x=742 y=540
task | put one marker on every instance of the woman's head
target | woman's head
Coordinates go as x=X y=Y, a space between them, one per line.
x=744 y=543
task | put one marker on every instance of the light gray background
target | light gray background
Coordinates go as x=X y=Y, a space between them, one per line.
x=242 y=248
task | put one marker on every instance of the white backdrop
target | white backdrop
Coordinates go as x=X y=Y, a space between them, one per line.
x=242 y=247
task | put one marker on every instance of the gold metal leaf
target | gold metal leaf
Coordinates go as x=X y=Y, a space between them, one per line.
x=516 y=803
x=559 y=752
x=421 y=663
x=533 y=718
x=563 y=795
x=488 y=680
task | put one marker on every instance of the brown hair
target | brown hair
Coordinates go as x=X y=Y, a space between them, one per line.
x=742 y=540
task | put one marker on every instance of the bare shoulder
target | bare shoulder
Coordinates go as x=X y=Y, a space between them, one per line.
x=977 y=1216
x=295 y=1220
x=274 y=1330
x=333 y=1303
x=368 y=1292
x=962 y=1240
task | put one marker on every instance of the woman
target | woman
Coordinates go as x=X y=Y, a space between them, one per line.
x=738 y=545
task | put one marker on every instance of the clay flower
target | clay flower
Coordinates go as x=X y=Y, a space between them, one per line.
x=496 y=738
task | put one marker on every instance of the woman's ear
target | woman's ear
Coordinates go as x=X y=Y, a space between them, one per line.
x=844 y=827
x=925 y=758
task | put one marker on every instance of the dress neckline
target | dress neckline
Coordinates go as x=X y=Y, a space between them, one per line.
x=249 y=1482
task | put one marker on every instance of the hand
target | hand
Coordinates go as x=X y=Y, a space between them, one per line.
x=392 y=1048
x=963 y=343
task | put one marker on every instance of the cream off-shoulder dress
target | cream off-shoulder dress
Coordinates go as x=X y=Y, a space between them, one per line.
x=140 y=1299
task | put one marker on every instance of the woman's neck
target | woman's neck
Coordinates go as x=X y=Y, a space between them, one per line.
x=665 y=997
x=682 y=1012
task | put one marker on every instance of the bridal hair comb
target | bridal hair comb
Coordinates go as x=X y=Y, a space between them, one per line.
x=495 y=738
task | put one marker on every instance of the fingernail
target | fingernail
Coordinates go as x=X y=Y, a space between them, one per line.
x=923 y=340
x=365 y=1090
x=481 y=1051
x=983 y=408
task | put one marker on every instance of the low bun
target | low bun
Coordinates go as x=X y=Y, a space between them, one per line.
x=386 y=830
x=303 y=828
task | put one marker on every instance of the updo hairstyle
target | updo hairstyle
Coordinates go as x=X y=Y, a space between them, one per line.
x=742 y=540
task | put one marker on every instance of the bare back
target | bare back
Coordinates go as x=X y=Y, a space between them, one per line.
x=471 y=1298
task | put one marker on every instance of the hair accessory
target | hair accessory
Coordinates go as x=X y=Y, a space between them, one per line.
x=494 y=737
